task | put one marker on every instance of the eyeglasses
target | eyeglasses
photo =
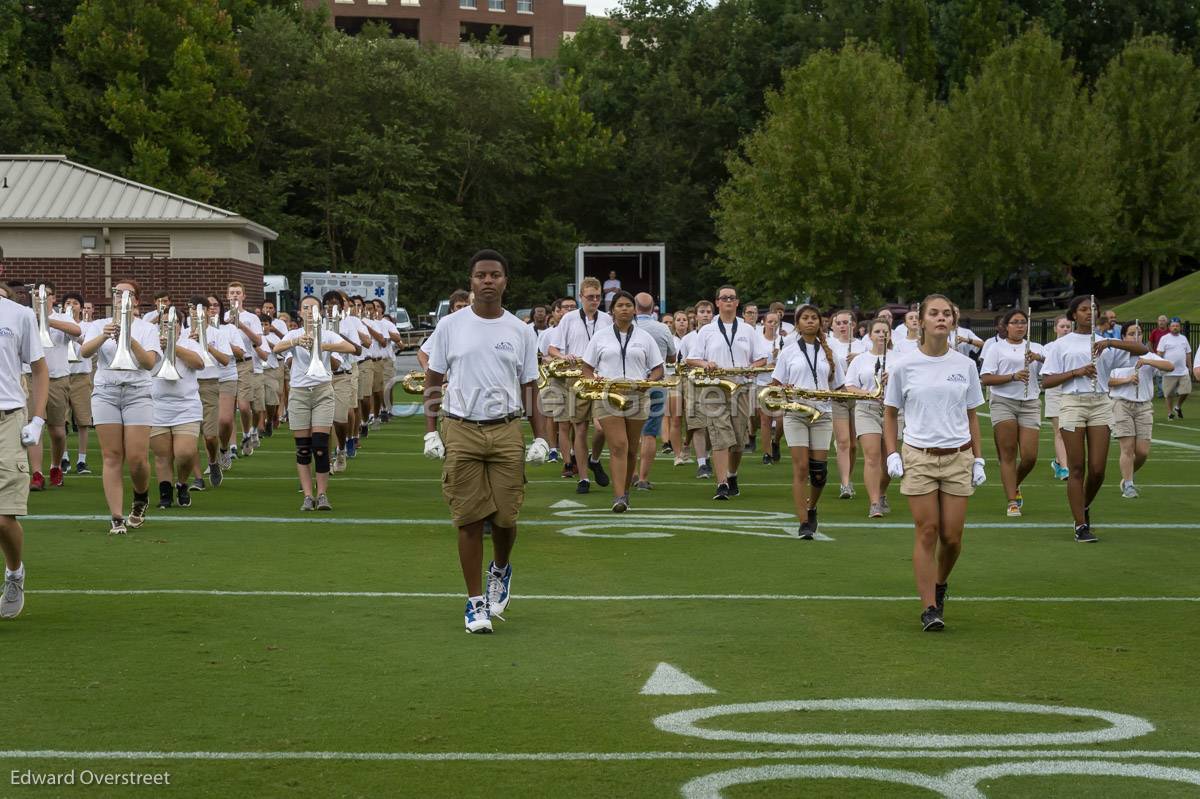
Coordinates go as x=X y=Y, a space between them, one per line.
x=591 y=296
x=727 y=298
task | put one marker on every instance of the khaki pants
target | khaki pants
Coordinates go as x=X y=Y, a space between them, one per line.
x=484 y=472
x=81 y=398
x=14 y=465
x=210 y=398
x=58 y=401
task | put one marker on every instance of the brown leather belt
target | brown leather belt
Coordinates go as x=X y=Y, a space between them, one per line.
x=941 y=450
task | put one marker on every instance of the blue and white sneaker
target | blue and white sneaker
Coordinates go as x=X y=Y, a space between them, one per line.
x=498 y=583
x=477 y=618
x=352 y=447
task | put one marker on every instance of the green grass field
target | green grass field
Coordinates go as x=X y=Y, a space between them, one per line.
x=1178 y=298
x=250 y=651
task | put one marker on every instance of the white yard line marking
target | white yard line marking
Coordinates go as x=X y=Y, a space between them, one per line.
x=670 y=681
x=1178 y=444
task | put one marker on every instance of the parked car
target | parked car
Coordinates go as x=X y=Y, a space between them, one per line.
x=402 y=320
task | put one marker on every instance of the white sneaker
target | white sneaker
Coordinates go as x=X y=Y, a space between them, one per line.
x=846 y=492
x=13 y=598
x=498 y=583
x=1129 y=490
x=476 y=618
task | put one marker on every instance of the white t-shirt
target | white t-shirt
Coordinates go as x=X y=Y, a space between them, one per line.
x=728 y=346
x=809 y=368
x=56 y=356
x=254 y=323
x=773 y=348
x=143 y=333
x=302 y=357
x=1142 y=392
x=574 y=332
x=642 y=354
x=544 y=338
x=611 y=287
x=1006 y=358
x=1074 y=351
x=351 y=327
x=485 y=361
x=1175 y=348
x=272 y=335
x=903 y=346
x=389 y=327
x=844 y=350
x=233 y=337
x=218 y=339
x=966 y=347
x=934 y=393
x=861 y=373
x=372 y=349
x=178 y=401
x=19 y=345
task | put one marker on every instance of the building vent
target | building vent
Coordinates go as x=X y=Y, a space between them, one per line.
x=252 y=248
x=148 y=244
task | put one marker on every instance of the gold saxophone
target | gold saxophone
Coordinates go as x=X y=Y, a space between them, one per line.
x=413 y=382
x=787 y=398
x=557 y=367
x=701 y=376
x=618 y=390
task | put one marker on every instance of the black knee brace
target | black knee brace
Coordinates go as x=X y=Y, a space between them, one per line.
x=320 y=445
x=304 y=451
x=818 y=473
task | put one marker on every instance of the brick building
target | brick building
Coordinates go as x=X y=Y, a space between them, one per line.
x=528 y=28
x=82 y=229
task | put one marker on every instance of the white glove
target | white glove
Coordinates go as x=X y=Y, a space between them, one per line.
x=538 y=451
x=434 y=448
x=32 y=432
x=895 y=466
x=978 y=478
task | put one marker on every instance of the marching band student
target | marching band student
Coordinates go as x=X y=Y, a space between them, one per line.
x=208 y=381
x=345 y=386
x=845 y=347
x=122 y=408
x=770 y=424
x=556 y=411
x=277 y=329
x=387 y=366
x=1085 y=414
x=571 y=339
x=19 y=347
x=622 y=351
x=1062 y=326
x=809 y=363
x=866 y=369
x=228 y=391
x=940 y=466
x=1010 y=369
x=966 y=342
x=907 y=336
x=679 y=327
x=724 y=344
x=79 y=384
x=653 y=428
x=178 y=413
x=249 y=366
x=1131 y=389
x=489 y=359
x=1177 y=383
x=353 y=329
x=694 y=422
x=63 y=329
x=311 y=404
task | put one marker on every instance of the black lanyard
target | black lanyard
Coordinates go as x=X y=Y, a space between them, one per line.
x=732 y=337
x=811 y=364
x=624 y=346
x=583 y=316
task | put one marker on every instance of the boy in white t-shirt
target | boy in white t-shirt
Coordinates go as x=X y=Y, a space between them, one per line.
x=1177 y=384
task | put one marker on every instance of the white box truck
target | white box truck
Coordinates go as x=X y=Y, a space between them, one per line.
x=371 y=287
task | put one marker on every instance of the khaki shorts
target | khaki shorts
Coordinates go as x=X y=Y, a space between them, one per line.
x=1181 y=385
x=343 y=397
x=364 y=379
x=250 y=386
x=81 y=398
x=1131 y=418
x=227 y=388
x=210 y=399
x=578 y=410
x=1084 y=410
x=1053 y=402
x=484 y=473
x=868 y=417
x=311 y=407
x=389 y=370
x=14 y=466
x=555 y=400
x=800 y=432
x=729 y=426
x=186 y=429
x=1025 y=413
x=58 y=401
x=271 y=386
x=638 y=408
x=693 y=418
x=843 y=409
x=377 y=376
x=925 y=473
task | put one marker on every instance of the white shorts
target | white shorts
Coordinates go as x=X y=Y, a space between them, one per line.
x=1053 y=402
x=131 y=406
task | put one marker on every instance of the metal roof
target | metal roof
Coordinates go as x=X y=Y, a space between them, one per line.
x=50 y=190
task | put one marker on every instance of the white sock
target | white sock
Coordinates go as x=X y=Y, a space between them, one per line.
x=733 y=474
x=18 y=574
x=476 y=600
x=702 y=461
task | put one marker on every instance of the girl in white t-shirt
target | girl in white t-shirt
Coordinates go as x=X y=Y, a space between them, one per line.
x=771 y=426
x=211 y=397
x=907 y=340
x=178 y=413
x=938 y=390
x=845 y=347
x=1062 y=327
x=1131 y=389
x=867 y=371
x=622 y=351
x=1011 y=369
x=1081 y=367
x=680 y=327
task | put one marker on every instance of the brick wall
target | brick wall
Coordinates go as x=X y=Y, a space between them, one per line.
x=183 y=277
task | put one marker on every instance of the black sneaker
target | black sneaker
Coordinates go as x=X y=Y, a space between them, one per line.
x=722 y=492
x=165 y=495
x=184 y=495
x=703 y=471
x=214 y=474
x=1171 y=415
x=939 y=595
x=931 y=620
x=812 y=519
x=583 y=487
x=733 y=486
x=667 y=449
x=775 y=451
x=598 y=472
x=268 y=429
x=767 y=459
x=82 y=468
x=1179 y=412
x=65 y=464
x=751 y=445
x=1083 y=534
x=805 y=532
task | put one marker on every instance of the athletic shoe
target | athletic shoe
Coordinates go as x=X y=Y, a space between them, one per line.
x=553 y=457
x=13 y=598
x=166 y=497
x=667 y=449
x=1055 y=469
x=1083 y=534
x=679 y=461
x=621 y=504
x=323 y=502
x=644 y=485
x=884 y=506
x=351 y=447
x=583 y=487
x=1063 y=473
x=498 y=583
x=233 y=455
x=340 y=460
x=65 y=464
x=56 y=477
x=767 y=461
x=733 y=486
x=81 y=468
x=308 y=504
x=568 y=469
x=137 y=514
x=846 y=492
x=722 y=494
x=597 y=469
x=931 y=622
x=184 y=495
x=37 y=482
x=775 y=451
x=1171 y=415
x=805 y=533
x=687 y=458
x=940 y=590
x=225 y=460
x=118 y=527
x=268 y=429
x=375 y=423
x=1128 y=489
x=477 y=618
x=808 y=528
x=214 y=474
x=875 y=511
x=1014 y=508
x=704 y=471
x=751 y=445
x=363 y=431
x=1179 y=411
x=1020 y=499
x=198 y=484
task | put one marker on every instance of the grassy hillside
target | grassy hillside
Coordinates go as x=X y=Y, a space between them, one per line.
x=1180 y=298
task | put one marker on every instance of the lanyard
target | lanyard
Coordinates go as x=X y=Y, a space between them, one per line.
x=583 y=316
x=623 y=345
x=732 y=337
x=811 y=364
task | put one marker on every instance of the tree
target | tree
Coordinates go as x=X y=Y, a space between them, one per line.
x=904 y=34
x=830 y=198
x=1025 y=165
x=1151 y=97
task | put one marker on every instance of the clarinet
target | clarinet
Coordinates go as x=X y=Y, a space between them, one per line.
x=1092 y=306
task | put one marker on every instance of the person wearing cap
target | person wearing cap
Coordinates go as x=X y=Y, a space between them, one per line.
x=1177 y=384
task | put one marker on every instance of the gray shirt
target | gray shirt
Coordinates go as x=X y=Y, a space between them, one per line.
x=660 y=333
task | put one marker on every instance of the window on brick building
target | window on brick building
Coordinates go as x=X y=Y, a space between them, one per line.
x=466 y=4
x=495 y=5
x=410 y=2
x=524 y=6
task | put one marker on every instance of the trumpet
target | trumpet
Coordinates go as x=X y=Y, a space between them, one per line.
x=198 y=319
x=123 y=360
x=41 y=307
x=312 y=328
x=618 y=390
x=168 y=370
x=72 y=347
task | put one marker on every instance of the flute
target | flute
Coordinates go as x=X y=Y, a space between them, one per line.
x=1092 y=306
x=1028 y=326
